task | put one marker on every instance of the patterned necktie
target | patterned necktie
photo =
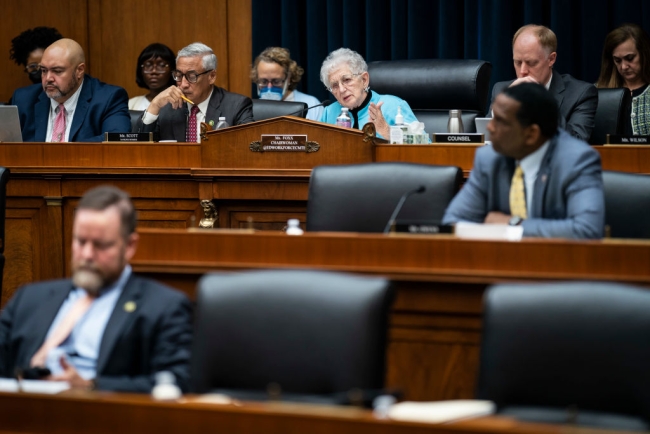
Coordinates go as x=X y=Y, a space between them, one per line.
x=62 y=330
x=518 y=195
x=191 y=125
x=58 y=133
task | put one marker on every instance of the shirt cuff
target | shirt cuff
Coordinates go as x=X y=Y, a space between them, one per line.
x=148 y=118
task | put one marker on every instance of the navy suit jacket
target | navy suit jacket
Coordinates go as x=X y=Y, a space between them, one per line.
x=101 y=108
x=576 y=99
x=155 y=337
x=172 y=124
x=568 y=198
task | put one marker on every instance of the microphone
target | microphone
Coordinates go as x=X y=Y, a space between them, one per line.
x=325 y=103
x=400 y=204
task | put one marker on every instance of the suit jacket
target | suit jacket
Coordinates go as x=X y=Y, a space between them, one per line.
x=577 y=101
x=568 y=198
x=101 y=108
x=155 y=337
x=172 y=124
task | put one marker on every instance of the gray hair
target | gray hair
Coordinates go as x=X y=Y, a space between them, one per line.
x=343 y=55
x=196 y=49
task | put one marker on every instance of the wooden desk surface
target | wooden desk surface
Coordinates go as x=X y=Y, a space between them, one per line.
x=98 y=412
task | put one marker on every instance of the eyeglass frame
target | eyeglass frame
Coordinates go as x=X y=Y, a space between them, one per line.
x=154 y=67
x=272 y=82
x=181 y=75
x=32 y=67
x=339 y=83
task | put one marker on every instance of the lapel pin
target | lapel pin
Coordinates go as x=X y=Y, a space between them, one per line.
x=129 y=306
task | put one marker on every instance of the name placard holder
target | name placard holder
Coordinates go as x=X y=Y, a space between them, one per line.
x=458 y=138
x=131 y=137
x=615 y=139
x=284 y=143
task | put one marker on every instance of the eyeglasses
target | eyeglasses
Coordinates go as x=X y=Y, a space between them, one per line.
x=345 y=81
x=32 y=67
x=276 y=82
x=191 y=77
x=149 y=67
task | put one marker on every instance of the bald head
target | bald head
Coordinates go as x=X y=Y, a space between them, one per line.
x=62 y=69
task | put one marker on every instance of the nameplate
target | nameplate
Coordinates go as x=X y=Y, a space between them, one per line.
x=422 y=227
x=613 y=139
x=131 y=137
x=284 y=143
x=458 y=138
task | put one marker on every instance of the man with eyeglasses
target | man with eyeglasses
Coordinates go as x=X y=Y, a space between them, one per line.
x=177 y=119
x=68 y=105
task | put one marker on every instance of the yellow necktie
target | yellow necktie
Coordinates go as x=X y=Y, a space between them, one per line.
x=517 y=194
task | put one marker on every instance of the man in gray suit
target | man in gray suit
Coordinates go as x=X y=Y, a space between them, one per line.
x=534 y=54
x=178 y=111
x=562 y=186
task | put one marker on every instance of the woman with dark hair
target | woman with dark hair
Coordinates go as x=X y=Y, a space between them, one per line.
x=153 y=72
x=27 y=49
x=626 y=63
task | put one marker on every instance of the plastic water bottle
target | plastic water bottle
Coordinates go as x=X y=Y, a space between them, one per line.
x=398 y=130
x=166 y=388
x=293 y=227
x=222 y=123
x=344 y=119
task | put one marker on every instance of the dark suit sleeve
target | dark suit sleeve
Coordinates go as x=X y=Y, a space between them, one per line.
x=580 y=122
x=171 y=342
x=115 y=117
x=244 y=111
x=470 y=203
x=6 y=322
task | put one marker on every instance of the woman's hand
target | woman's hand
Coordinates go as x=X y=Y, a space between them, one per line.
x=377 y=118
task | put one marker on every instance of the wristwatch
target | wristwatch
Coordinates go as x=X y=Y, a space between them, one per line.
x=515 y=220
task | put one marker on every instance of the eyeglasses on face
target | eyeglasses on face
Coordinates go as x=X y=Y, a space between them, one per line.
x=345 y=81
x=276 y=82
x=191 y=77
x=148 y=67
x=32 y=67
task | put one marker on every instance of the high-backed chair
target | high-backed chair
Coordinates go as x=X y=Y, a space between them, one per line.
x=610 y=114
x=362 y=197
x=4 y=178
x=306 y=335
x=627 y=204
x=265 y=109
x=568 y=352
x=432 y=87
x=136 y=115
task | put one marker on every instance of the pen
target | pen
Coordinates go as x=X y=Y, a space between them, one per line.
x=185 y=98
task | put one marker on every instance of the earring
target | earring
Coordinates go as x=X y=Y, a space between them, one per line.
x=367 y=88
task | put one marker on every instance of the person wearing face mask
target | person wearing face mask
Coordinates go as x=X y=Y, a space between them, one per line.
x=277 y=77
x=27 y=49
x=345 y=74
x=154 y=73
x=626 y=63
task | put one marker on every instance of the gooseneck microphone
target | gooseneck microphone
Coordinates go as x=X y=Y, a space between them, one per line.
x=400 y=204
x=325 y=103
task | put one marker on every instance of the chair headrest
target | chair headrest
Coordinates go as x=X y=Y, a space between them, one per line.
x=265 y=109
x=434 y=83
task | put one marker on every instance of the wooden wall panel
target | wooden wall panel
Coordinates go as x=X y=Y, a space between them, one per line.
x=113 y=32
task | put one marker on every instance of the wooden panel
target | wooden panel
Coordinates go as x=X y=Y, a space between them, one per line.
x=70 y=17
x=88 y=412
x=240 y=45
x=266 y=215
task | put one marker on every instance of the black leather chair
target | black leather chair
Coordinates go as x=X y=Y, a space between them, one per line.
x=4 y=178
x=568 y=353
x=136 y=115
x=432 y=87
x=362 y=197
x=266 y=109
x=610 y=114
x=627 y=204
x=303 y=335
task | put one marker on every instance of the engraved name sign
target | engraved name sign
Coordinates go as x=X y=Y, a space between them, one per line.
x=284 y=143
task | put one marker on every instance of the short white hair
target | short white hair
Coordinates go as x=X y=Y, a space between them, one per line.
x=196 y=49
x=338 y=57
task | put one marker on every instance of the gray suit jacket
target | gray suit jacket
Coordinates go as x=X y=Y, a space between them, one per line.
x=568 y=201
x=576 y=99
x=172 y=124
x=154 y=337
